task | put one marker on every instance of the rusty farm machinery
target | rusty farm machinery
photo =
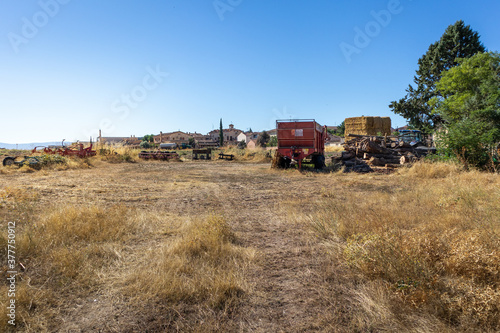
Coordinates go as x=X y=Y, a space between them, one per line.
x=75 y=150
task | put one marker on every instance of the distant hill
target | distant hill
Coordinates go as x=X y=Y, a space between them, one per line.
x=28 y=146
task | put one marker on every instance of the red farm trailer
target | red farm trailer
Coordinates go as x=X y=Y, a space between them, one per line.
x=300 y=139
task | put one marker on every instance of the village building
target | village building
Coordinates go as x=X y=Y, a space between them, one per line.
x=252 y=144
x=230 y=135
x=242 y=137
x=204 y=140
x=251 y=136
x=334 y=140
x=272 y=132
x=125 y=140
x=177 y=137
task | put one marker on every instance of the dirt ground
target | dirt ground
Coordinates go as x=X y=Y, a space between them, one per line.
x=283 y=279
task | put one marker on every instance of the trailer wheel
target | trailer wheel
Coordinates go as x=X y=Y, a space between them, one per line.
x=278 y=161
x=319 y=161
x=287 y=162
x=8 y=161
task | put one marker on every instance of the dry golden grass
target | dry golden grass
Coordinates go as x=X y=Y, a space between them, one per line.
x=426 y=170
x=334 y=149
x=118 y=153
x=429 y=237
x=257 y=155
x=70 y=252
x=413 y=251
x=201 y=266
x=63 y=251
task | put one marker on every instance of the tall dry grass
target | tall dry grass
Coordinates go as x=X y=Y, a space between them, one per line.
x=66 y=253
x=60 y=255
x=425 y=243
x=202 y=265
x=257 y=155
x=118 y=153
x=334 y=149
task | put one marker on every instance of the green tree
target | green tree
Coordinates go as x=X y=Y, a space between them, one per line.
x=469 y=104
x=263 y=139
x=191 y=142
x=458 y=41
x=340 y=131
x=145 y=145
x=273 y=141
x=148 y=138
x=242 y=144
x=221 y=134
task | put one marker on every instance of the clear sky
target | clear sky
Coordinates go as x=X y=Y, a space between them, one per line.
x=70 y=67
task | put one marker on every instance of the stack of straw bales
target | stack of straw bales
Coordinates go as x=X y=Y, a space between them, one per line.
x=367 y=126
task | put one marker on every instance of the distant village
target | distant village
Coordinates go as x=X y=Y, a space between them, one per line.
x=232 y=136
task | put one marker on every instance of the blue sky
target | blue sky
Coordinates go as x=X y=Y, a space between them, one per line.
x=70 y=67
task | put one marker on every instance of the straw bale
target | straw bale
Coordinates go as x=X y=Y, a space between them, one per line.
x=368 y=125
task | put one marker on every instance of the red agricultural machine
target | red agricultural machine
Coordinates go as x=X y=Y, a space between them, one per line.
x=298 y=140
x=76 y=150
x=73 y=150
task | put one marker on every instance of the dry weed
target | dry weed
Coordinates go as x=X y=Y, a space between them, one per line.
x=60 y=256
x=257 y=155
x=434 y=243
x=118 y=154
x=427 y=170
x=202 y=266
x=334 y=149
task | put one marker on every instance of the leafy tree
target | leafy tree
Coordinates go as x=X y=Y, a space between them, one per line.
x=458 y=41
x=340 y=131
x=145 y=144
x=148 y=138
x=263 y=139
x=191 y=141
x=221 y=134
x=273 y=141
x=469 y=104
x=242 y=144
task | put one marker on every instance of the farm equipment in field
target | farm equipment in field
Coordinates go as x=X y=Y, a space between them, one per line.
x=31 y=161
x=410 y=137
x=298 y=140
x=168 y=145
x=228 y=157
x=202 y=154
x=158 y=155
x=73 y=150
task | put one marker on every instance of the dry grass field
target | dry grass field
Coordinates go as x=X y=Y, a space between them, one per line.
x=234 y=246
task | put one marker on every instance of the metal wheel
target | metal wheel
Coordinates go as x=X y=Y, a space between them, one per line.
x=8 y=161
x=318 y=161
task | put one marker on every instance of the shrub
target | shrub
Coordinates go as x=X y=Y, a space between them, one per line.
x=242 y=144
x=145 y=145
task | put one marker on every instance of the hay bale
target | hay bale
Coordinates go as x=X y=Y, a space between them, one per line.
x=368 y=126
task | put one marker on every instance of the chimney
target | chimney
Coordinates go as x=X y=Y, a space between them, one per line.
x=161 y=134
